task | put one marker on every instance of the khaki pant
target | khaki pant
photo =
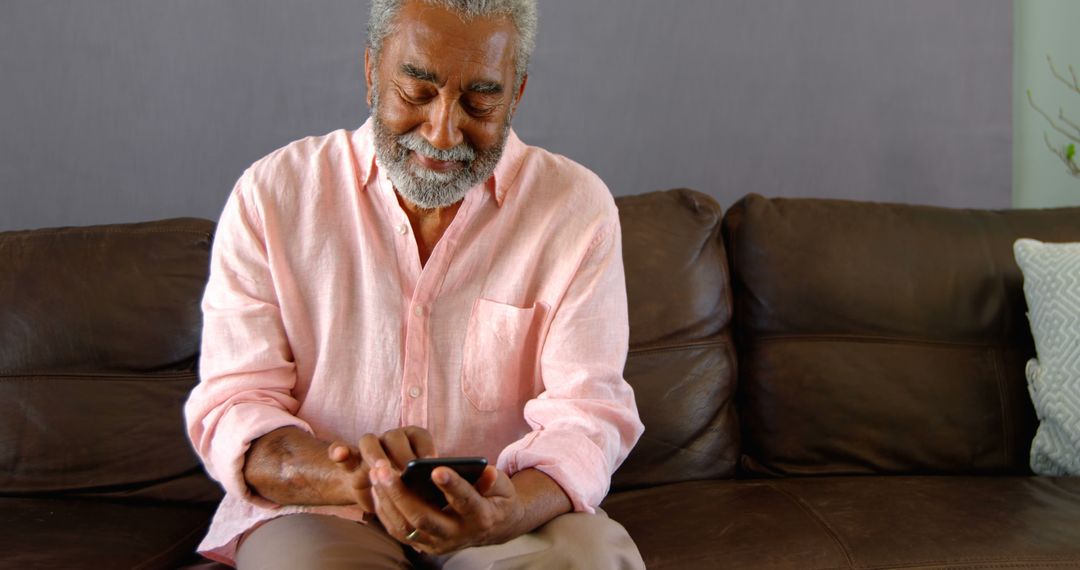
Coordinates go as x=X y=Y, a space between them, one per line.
x=319 y=542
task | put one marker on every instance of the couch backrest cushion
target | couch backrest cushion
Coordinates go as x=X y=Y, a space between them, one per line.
x=882 y=338
x=681 y=361
x=99 y=334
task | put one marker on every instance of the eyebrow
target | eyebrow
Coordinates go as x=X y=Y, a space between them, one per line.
x=481 y=87
x=486 y=87
x=417 y=73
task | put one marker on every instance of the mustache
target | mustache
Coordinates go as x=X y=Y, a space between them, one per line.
x=416 y=143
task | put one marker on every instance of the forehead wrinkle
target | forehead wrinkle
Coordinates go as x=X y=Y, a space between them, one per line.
x=484 y=80
x=454 y=38
x=440 y=54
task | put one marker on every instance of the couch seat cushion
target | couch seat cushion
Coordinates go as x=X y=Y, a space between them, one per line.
x=728 y=523
x=856 y=522
x=44 y=533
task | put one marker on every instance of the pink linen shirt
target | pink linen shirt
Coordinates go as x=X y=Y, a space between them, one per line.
x=508 y=343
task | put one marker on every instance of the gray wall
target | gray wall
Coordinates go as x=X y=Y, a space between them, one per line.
x=127 y=110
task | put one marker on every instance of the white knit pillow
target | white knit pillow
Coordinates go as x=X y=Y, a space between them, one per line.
x=1052 y=288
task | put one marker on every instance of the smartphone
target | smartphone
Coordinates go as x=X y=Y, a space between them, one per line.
x=417 y=475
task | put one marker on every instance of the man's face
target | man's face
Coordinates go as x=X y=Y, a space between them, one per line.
x=442 y=95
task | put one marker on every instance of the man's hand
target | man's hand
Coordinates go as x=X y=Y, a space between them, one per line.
x=498 y=509
x=354 y=484
x=397 y=446
x=291 y=467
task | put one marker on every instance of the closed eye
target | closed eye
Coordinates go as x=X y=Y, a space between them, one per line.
x=415 y=96
x=481 y=105
x=479 y=111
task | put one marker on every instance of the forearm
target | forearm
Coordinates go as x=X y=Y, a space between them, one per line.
x=291 y=467
x=543 y=498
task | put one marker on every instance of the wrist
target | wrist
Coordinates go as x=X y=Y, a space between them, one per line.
x=541 y=499
x=291 y=467
x=335 y=487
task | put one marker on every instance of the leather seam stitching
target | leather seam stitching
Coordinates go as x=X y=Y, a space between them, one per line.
x=975 y=563
x=821 y=521
x=42 y=234
x=40 y=375
x=1006 y=436
x=672 y=347
x=880 y=339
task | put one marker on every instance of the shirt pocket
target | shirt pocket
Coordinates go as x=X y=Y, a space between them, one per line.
x=498 y=366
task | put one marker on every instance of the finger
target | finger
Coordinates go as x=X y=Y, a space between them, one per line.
x=422 y=442
x=397 y=447
x=371 y=449
x=389 y=515
x=361 y=485
x=461 y=496
x=487 y=481
x=339 y=452
x=365 y=498
x=495 y=483
x=416 y=512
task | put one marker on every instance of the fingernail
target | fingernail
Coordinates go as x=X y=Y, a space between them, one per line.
x=441 y=477
x=381 y=463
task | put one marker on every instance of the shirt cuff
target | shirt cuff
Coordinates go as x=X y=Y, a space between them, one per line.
x=572 y=460
x=237 y=428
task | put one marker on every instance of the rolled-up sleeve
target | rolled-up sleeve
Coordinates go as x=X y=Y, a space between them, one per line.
x=585 y=421
x=246 y=367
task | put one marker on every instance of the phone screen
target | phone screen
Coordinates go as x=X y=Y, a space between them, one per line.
x=417 y=475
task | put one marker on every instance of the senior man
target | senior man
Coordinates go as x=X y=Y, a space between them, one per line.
x=426 y=285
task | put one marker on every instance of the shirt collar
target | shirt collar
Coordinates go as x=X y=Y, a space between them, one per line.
x=500 y=183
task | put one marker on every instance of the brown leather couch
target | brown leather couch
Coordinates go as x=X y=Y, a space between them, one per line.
x=824 y=384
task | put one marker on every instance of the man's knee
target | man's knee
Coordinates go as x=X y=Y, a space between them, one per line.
x=570 y=541
x=592 y=541
x=318 y=541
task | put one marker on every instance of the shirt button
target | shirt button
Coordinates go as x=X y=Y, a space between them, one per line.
x=402 y=229
x=414 y=392
x=418 y=310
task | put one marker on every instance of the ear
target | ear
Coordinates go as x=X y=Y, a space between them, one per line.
x=369 y=68
x=520 y=94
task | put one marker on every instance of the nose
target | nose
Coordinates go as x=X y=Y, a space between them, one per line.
x=442 y=128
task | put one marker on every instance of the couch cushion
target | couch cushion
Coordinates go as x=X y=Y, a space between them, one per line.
x=856 y=522
x=99 y=334
x=119 y=297
x=676 y=270
x=686 y=400
x=728 y=524
x=882 y=338
x=681 y=362
x=100 y=434
x=44 y=533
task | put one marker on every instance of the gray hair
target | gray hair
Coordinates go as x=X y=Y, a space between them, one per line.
x=522 y=12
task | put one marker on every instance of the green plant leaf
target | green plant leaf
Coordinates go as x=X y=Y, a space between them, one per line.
x=1070 y=151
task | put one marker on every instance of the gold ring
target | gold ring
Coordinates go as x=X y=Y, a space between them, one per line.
x=412 y=535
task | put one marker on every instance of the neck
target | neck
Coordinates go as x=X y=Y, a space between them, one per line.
x=428 y=224
x=418 y=212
